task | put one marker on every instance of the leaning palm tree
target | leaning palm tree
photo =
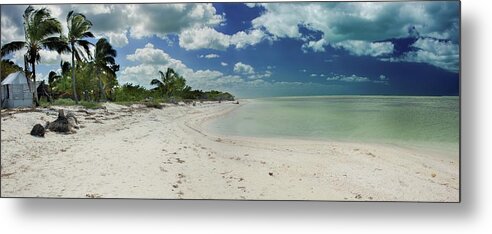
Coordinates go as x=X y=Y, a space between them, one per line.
x=104 y=60
x=41 y=31
x=78 y=29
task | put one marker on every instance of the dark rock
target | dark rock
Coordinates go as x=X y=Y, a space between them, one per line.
x=270 y=173
x=38 y=130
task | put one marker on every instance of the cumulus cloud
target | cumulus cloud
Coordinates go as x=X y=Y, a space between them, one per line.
x=116 y=20
x=243 y=68
x=200 y=38
x=223 y=64
x=370 y=21
x=149 y=60
x=47 y=57
x=440 y=53
x=243 y=39
x=250 y=72
x=118 y=40
x=364 y=48
x=356 y=21
x=209 y=38
x=316 y=46
x=10 y=32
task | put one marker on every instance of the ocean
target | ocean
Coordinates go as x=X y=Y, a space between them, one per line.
x=431 y=122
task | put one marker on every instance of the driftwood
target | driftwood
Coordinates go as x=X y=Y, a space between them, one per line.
x=64 y=123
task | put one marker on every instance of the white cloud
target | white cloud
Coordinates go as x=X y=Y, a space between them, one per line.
x=150 y=55
x=258 y=75
x=47 y=57
x=115 y=21
x=200 y=38
x=364 y=48
x=168 y=18
x=439 y=53
x=357 y=21
x=368 y=21
x=209 y=38
x=250 y=72
x=313 y=75
x=210 y=56
x=150 y=60
x=316 y=46
x=223 y=64
x=243 y=68
x=243 y=39
x=9 y=31
x=118 y=40
x=352 y=78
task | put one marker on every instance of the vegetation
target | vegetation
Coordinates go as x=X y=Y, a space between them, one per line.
x=8 y=67
x=106 y=67
x=41 y=30
x=70 y=102
x=90 y=78
x=78 y=29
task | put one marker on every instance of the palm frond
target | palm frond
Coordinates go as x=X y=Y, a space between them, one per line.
x=86 y=46
x=156 y=82
x=55 y=43
x=12 y=47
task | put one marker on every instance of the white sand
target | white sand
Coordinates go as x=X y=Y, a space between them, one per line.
x=152 y=153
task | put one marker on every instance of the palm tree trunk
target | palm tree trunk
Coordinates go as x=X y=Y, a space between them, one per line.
x=74 y=87
x=35 y=88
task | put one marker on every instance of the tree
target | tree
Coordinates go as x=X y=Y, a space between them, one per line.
x=8 y=67
x=78 y=29
x=41 y=31
x=52 y=78
x=170 y=83
x=104 y=60
x=63 y=84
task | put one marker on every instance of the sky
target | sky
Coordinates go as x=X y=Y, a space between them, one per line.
x=273 y=49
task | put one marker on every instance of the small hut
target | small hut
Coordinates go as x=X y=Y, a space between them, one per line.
x=16 y=91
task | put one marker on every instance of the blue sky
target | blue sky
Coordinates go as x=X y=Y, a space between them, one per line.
x=254 y=50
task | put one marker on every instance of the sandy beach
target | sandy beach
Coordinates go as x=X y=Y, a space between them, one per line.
x=138 y=152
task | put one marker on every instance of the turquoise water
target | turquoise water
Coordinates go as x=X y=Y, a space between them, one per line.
x=412 y=121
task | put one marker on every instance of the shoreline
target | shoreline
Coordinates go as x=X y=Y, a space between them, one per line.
x=442 y=149
x=168 y=154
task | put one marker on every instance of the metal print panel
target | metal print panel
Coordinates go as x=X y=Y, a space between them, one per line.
x=331 y=101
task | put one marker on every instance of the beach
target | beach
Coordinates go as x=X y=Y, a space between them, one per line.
x=169 y=153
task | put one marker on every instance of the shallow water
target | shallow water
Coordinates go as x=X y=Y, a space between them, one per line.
x=411 y=121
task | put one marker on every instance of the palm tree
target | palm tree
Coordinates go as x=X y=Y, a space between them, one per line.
x=78 y=29
x=52 y=78
x=104 y=59
x=164 y=84
x=40 y=31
